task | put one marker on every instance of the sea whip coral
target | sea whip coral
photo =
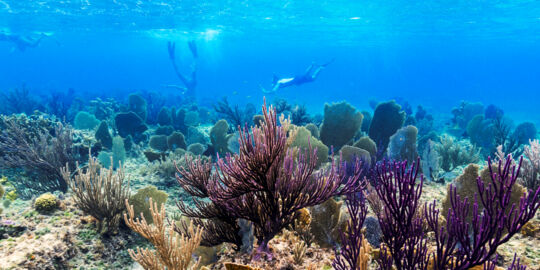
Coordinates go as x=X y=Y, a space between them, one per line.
x=462 y=244
x=459 y=244
x=354 y=251
x=267 y=181
x=400 y=217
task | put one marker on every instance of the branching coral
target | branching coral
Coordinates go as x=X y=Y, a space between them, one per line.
x=38 y=146
x=219 y=225
x=354 y=251
x=59 y=103
x=173 y=252
x=462 y=244
x=236 y=116
x=454 y=153
x=530 y=170
x=99 y=192
x=431 y=161
x=19 y=100
x=266 y=182
x=400 y=217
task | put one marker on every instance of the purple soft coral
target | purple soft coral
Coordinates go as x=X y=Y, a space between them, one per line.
x=400 y=219
x=463 y=244
x=267 y=182
x=348 y=256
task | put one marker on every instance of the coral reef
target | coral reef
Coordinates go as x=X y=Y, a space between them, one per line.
x=466 y=186
x=431 y=162
x=400 y=217
x=164 y=117
x=176 y=141
x=492 y=227
x=350 y=153
x=18 y=100
x=313 y=129
x=369 y=145
x=158 y=142
x=465 y=113
x=249 y=195
x=265 y=197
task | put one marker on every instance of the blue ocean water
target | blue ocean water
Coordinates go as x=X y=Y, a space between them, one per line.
x=433 y=53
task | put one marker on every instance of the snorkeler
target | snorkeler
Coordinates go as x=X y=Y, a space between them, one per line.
x=22 y=42
x=311 y=73
x=190 y=82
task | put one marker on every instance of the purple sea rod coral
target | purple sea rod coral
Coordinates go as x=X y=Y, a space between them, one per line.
x=461 y=244
x=267 y=182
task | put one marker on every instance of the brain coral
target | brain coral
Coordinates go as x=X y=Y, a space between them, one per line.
x=46 y=203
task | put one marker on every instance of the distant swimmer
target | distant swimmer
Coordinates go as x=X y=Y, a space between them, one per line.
x=21 y=42
x=182 y=89
x=310 y=75
x=190 y=82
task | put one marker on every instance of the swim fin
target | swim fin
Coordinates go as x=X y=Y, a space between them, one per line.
x=193 y=48
x=328 y=63
x=275 y=79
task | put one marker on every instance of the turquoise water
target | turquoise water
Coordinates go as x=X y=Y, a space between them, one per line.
x=162 y=87
x=430 y=53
